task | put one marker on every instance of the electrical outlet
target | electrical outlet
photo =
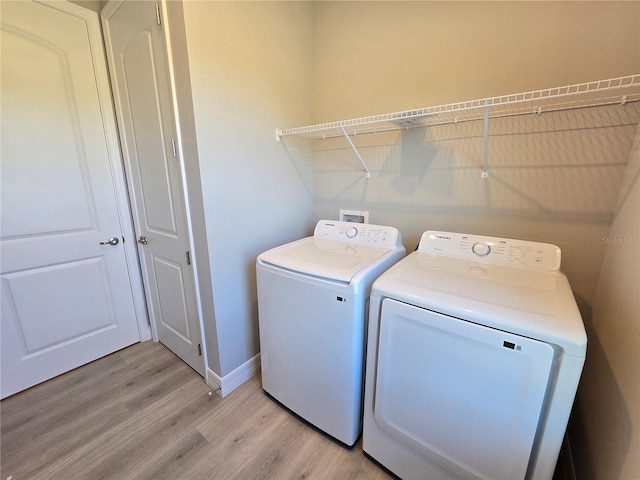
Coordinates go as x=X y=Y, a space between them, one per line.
x=355 y=216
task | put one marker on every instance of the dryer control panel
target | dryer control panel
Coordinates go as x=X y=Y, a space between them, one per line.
x=494 y=250
x=360 y=233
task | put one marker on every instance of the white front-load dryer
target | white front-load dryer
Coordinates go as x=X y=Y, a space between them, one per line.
x=475 y=350
x=312 y=310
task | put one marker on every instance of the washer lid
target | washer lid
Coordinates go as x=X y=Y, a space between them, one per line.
x=319 y=257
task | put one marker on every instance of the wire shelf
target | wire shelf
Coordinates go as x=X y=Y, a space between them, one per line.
x=619 y=90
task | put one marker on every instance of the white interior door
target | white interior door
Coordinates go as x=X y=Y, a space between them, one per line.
x=66 y=294
x=137 y=59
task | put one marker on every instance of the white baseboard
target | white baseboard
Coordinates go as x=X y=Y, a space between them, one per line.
x=227 y=384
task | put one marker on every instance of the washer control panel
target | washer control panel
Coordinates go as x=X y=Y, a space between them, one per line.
x=361 y=233
x=501 y=251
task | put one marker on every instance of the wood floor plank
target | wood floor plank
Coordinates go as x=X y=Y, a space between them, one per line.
x=117 y=453
x=49 y=398
x=185 y=452
x=117 y=389
x=141 y=413
x=34 y=456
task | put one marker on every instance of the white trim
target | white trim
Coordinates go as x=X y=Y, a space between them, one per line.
x=110 y=8
x=227 y=384
x=183 y=175
x=214 y=381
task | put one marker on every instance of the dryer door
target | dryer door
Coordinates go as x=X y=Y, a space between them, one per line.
x=464 y=396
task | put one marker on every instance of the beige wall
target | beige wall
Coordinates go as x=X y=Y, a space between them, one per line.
x=548 y=181
x=95 y=5
x=250 y=66
x=379 y=57
x=256 y=66
x=607 y=437
x=554 y=178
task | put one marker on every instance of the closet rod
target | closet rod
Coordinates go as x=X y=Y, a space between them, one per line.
x=534 y=112
x=624 y=87
x=474 y=118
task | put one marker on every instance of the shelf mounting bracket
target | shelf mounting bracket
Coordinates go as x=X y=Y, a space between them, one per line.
x=346 y=135
x=485 y=155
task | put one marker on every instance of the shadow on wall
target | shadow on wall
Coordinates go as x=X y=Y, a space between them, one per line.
x=299 y=152
x=416 y=159
x=559 y=166
x=615 y=429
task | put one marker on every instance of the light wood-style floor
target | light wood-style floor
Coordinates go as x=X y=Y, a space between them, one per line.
x=141 y=413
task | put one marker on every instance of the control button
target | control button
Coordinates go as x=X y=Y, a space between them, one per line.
x=481 y=249
x=478 y=271
x=351 y=232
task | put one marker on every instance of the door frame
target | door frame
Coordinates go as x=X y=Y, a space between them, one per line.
x=105 y=99
x=107 y=12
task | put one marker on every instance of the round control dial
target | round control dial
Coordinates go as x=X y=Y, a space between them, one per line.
x=481 y=249
x=351 y=232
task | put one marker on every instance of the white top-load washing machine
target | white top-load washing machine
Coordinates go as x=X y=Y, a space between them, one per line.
x=312 y=309
x=475 y=350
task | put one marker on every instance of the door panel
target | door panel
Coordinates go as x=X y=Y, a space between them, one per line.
x=153 y=171
x=44 y=123
x=173 y=305
x=66 y=299
x=54 y=284
x=140 y=78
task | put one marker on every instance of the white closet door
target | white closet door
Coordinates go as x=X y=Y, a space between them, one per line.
x=136 y=53
x=464 y=396
x=66 y=298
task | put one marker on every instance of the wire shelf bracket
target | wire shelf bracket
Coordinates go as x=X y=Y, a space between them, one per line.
x=366 y=169
x=485 y=140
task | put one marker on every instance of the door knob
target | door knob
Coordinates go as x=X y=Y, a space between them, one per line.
x=111 y=241
x=143 y=240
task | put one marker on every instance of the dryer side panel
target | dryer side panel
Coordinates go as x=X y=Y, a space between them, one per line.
x=466 y=397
